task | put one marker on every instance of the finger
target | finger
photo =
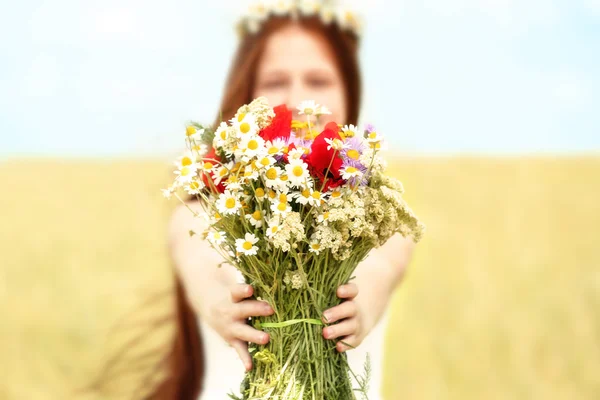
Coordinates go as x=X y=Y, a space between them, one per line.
x=344 y=328
x=247 y=333
x=241 y=348
x=252 y=308
x=347 y=309
x=348 y=291
x=240 y=292
x=347 y=343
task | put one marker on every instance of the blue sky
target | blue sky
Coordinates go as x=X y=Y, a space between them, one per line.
x=121 y=78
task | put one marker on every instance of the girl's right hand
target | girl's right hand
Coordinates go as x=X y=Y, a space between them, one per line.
x=229 y=318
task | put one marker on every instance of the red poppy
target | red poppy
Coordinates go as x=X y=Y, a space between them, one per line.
x=281 y=125
x=325 y=164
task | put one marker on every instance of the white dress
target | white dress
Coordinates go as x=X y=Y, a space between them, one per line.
x=224 y=371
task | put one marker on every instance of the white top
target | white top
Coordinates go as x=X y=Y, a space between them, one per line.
x=224 y=371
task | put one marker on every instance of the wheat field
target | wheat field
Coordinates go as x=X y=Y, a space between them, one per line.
x=502 y=300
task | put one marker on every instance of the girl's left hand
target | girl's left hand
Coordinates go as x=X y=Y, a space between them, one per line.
x=350 y=328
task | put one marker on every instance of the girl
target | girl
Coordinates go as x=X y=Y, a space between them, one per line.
x=288 y=60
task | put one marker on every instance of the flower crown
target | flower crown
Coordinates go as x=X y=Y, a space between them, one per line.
x=261 y=11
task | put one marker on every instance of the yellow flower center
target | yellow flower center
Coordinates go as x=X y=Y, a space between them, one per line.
x=208 y=166
x=253 y=144
x=274 y=229
x=265 y=161
x=271 y=173
x=247 y=246
x=217 y=216
x=273 y=150
x=373 y=135
x=336 y=194
x=256 y=215
x=230 y=203
x=194 y=185
x=223 y=172
x=315 y=246
x=298 y=171
x=351 y=170
x=309 y=111
x=260 y=192
x=282 y=206
x=272 y=194
x=245 y=127
x=186 y=161
x=241 y=117
x=306 y=193
x=223 y=134
x=375 y=145
x=189 y=131
x=185 y=171
x=326 y=215
x=353 y=154
x=283 y=198
x=217 y=236
x=349 y=134
x=316 y=195
x=284 y=178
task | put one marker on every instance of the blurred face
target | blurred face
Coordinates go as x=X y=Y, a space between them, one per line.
x=298 y=65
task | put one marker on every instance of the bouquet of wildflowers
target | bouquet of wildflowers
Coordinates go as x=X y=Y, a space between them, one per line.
x=295 y=209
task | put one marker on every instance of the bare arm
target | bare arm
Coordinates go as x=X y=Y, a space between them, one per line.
x=214 y=292
x=376 y=279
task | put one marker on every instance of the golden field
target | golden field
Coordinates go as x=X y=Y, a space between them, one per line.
x=502 y=300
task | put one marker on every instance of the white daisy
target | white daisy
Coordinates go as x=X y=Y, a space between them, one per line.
x=323 y=218
x=308 y=107
x=260 y=194
x=277 y=147
x=194 y=187
x=228 y=203
x=222 y=134
x=193 y=133
x=255 y=219
x=250 y=174
x=246 y=246
x=246 y=125
x=297 y=171
x=302 y=197
x=351 y=172
x=251 y=146
x=271 y=176
x=349 y=131
x=274 y=227
x=220 y=172
x=188 y=159
x=314 y=247
x=216 y=238
x=264 y=162
x=374 y=137
x=281 y=207
x=185 y=175
x=336 y=144
x=297 y=153
x=316 y=198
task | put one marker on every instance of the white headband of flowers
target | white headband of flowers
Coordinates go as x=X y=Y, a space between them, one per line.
x=260 y=11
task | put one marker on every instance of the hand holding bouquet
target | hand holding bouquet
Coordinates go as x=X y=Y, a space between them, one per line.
x=295 y=210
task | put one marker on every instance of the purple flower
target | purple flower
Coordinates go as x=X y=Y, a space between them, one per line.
x=359 y=171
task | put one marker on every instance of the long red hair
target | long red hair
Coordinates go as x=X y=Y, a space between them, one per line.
x=184 y=362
